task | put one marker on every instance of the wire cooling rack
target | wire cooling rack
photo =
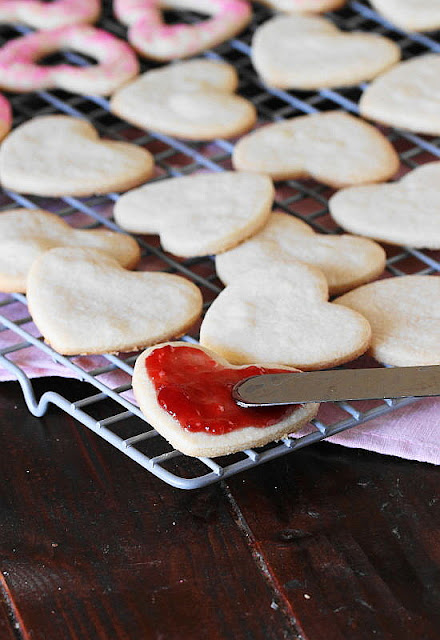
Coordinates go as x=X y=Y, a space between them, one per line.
x=110 y=411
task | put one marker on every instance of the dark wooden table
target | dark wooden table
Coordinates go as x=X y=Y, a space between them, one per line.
x=326 y=543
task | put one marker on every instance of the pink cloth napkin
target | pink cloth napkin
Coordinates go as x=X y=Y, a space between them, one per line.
x=410 y=432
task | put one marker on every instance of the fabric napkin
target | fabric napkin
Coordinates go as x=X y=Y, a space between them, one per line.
x=411 y=431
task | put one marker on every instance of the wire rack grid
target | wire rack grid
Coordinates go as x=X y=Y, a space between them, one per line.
x=110 y=411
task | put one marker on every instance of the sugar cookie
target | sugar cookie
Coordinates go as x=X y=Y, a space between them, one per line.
x=152 y=38
x=61 y=156
x=198 y=214
x=309 y=52
x=410 y=15
x=45 y=15
x=5 y=116
x=404 y=314
x=332 y=147
x=27 y=233
x=281 y=315
x=191 y=99
x=185 y=393
x=405 y=212
x=20 y=72
x=309 y=6
x=346 y=261
x=407 y=96
x=84 y=302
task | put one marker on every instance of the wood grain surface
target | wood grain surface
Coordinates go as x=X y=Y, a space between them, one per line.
x=325 y=543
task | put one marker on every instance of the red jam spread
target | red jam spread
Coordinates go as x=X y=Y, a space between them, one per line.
x=197 y=391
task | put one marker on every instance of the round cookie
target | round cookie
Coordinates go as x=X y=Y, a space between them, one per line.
x=346 y=261
x=309 y=52
x=406 y=96
x=199 y=214
x=27 y=233
x=404 y=212
x=84 y=302
x=404 y=314
x=204 y=381
x=332 y=147
x=74 y=162
x=153 y=38
x=193 y=99
x=281 y=315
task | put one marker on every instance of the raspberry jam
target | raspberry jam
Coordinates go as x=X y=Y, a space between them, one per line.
x=197 y=391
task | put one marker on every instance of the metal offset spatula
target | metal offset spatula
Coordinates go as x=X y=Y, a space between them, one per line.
x=340 y=384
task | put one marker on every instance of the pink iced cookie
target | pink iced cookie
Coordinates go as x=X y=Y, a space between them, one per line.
x=152 y=38
x=44 y=15
x=117 y=62
x=5 y=117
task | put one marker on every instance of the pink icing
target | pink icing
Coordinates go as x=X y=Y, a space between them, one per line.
x=5 y=111
x=153 y=38
x=116 y=61
x=44 y=15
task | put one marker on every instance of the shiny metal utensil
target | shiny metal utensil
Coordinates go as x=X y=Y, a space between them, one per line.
x=339 y=384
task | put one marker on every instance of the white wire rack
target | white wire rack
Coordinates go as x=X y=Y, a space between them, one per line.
x=109 y=411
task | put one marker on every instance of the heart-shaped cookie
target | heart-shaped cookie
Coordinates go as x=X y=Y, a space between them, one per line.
x=44 y=15
x=346 y=261
x=84 y=302
x=20 y=71
x=27 y=233
x=282 y=316
x=404 y=314
x=406 y=96
x=332 y=147
x=63 y=156
x=309 y=52
x=405 y=212
x=200 y=214
x=193 y=99
x=153 y=38
x=185 y=392
x=410 y=15
x=309 y=6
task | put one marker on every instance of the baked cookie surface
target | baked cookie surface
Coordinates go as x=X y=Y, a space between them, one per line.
x=44 y=15
x=193 y=99
x=84 y=302
x=332 y=147
x=63 y=156
x=185 y=392
x=21 y=71
x=404 y=314
x=281 y=315
x=406 y=212
x=27 y=233
x=406 y=96
x=411 y=15
x=309 y=52
x=301 y=6
x=149 y=34
x=199 y=214
x=346 y=261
